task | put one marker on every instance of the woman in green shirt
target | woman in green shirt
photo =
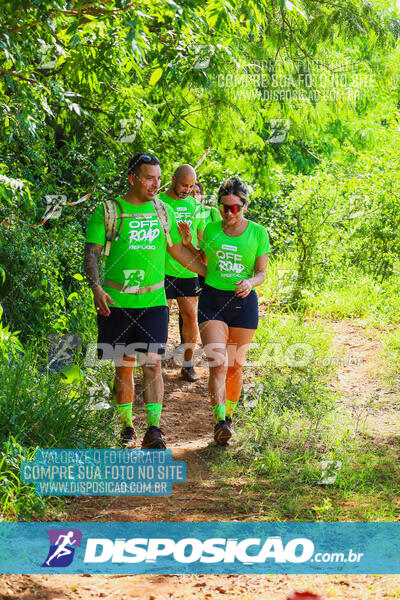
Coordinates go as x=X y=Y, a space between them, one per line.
x=237 y=251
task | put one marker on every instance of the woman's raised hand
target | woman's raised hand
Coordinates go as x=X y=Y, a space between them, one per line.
x=186 y=234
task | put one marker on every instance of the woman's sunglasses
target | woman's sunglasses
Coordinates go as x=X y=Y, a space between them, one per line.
x=233 y=208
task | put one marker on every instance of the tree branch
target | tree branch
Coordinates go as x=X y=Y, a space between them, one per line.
x=75 y=12
x=176 y=116
x=19 y=76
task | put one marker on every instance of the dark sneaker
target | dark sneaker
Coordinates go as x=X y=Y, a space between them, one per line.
x=222 y=433
x=189 y=374
x=153 y=439
x=229 y=422
x=128 y=438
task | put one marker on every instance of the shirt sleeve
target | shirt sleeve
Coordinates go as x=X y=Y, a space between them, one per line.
x=96 y=230
x=203 y=243
x=173 y=226
x=200 y=217
x=263 y=242
x=215 y=214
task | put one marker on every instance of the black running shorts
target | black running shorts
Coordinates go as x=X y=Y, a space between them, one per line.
x=221 y=305
x=177 y=287
x=129 y=330
x=201 y=281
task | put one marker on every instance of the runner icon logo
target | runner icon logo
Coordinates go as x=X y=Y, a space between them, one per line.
x=61 y=551
x=55 y=204
x=133 y=277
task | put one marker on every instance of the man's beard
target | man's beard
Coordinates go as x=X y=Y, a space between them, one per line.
x=178 y=194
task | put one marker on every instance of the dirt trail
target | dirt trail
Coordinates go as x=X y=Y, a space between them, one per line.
x=188 y=430
x=365 y=398
x=188 y=426
x=196 y=587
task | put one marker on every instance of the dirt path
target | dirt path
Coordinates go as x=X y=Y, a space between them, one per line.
x=196 y=587
x=188 y=430
x=188 y=427
x=369 y=403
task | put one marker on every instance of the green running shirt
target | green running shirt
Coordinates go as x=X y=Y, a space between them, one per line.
x=138 y=256
x=189 y=211
x=211 y=213
x=231 y=259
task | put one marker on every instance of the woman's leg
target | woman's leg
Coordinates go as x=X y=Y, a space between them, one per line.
x=239 y=340
x=214 y=335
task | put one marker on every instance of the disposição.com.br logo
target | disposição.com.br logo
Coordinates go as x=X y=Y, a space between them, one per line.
x=62 y=547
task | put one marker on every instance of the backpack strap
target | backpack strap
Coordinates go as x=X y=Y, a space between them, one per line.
x=162 y=215
x=110 y=223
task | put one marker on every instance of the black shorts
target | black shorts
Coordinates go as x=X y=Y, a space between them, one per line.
x=201 y=281
x=177 y=287
x=129 y=330
x=221 y=305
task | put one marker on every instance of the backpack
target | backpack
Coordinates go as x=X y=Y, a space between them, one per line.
x=111 y=217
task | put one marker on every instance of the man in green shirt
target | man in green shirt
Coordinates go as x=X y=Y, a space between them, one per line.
x=209 y=214
x=180 y=282
x=132 y=312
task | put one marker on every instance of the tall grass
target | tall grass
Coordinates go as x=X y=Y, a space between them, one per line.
x=344 y=293
x=17 y=499
x=297 y=452
x=38 y=409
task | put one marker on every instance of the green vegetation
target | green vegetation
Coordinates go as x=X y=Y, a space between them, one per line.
x=40 y=409
x=44 y=411
x=345 y=293
x=301 y=100
x=298 y=454
x=17 y=499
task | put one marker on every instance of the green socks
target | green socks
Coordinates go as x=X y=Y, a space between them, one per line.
x=230 y=407
x=153 y=413
x=125 y=414
x=219 y=412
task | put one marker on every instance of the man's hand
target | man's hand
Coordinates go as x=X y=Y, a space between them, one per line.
x=100 y=298
x=243 y=288
x=186 y=234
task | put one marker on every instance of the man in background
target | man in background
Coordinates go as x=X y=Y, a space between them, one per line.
x=180 y=283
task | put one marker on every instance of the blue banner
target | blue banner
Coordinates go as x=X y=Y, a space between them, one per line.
x=200 y=548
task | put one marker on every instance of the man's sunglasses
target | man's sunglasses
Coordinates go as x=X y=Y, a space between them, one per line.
x=233 y=208
x=146 y=158
x=143 y=158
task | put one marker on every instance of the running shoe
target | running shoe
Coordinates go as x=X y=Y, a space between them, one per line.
x=189 y=374
x=229 y=422
x=153 y=439
x=222 y=433
x=128 y=438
